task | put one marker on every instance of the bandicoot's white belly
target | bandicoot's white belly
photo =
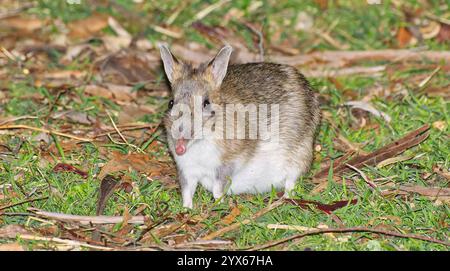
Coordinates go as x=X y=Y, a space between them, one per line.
x=262 y=172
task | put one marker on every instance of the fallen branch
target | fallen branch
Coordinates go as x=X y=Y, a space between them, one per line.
x=356 y=56
x=20 y=203
x=236 y=225
x=61 y=241
x=86 y=220
x=343 y=230
x=333 y=59
x=336 y=72
x=412 y=139
x=110 y=132
x=43 y=130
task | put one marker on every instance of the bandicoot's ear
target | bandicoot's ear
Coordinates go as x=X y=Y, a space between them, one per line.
x=218 y=66
x=171 y=64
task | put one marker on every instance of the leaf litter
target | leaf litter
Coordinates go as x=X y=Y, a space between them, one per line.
x=120 y=62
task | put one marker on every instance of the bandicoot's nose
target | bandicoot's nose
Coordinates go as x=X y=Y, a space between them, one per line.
x=180 y=147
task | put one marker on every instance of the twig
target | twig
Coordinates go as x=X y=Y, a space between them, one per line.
x=236 y=225
x=121 y=136
x=343 y=230
x=335 y=59
x=89 y=219
x=16 y=119
x=363 y=175
x=14 y=12
x=143 y=126
x=62 y=241
x=19 y=126
x=204 y=12
x=22 y=202
x=324 y=72
x=167 y=32
x=260 y=39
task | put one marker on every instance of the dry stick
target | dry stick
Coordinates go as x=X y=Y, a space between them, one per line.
x=17 y=118
x=363 y=175
x=317 y=73
x=125 y=129
x=236 y=225
x=343 y=230
x=260 y=39
x=14 y=12
x=19 y=126
x=120 y=134
x=62 y=241
x=354 y=56
x=89 y=219
x=326 y=57
x=398 y=146
x=22 y=202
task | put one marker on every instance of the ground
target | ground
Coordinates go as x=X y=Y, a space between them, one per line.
x=39 y=86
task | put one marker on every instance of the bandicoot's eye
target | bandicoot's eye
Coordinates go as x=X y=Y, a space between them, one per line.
x=205 y=103
x=170 y=104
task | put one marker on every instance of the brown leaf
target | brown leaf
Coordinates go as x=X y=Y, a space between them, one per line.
x=327 y=208
x=129 y=67
x=132 y=113
x=27 y=25
x=118 y=93
x=62 y=167
x=231 y=217
x=63 y=74
x=12 y=230
x=441 y=125
x=137 y=161
x=431 y=192
x=107 y=186
x=11 y=247
x=444 y=34
x=88 y=27
x=403 y=37
x=390 y=150
x=323 y=4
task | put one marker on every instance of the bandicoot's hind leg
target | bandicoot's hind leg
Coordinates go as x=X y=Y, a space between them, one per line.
x=223 y=175
x=290 y=181
x=299 y=169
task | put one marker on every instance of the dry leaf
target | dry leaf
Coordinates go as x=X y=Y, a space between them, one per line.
x=430 y=30
x=113 y=92
x=63 y=74
x=433 y=193
x=441 y=125
x=231 y=217
x=11 y=247
x=393 y=160
x=74 y=116
x=404 y=37
x=27 y=25
x=12 y=230
x=444 y=34
x=139 y=162
x=88 y=27
x=369 y=108
x=107 y=186
x=132 y=113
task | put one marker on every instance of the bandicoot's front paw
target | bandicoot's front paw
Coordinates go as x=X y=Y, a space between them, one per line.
x=287 y=194
x=187 y=204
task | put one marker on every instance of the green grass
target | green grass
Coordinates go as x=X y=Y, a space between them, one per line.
x=368 y=27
